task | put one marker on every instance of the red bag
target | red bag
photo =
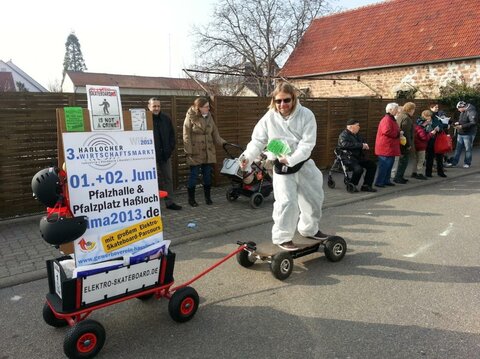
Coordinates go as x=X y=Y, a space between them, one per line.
x=443 y=143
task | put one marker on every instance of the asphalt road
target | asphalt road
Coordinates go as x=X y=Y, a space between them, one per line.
x=407 y=288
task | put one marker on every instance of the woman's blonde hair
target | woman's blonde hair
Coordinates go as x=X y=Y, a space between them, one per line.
x=409 y=106
x=427 y=113
x=287 y=88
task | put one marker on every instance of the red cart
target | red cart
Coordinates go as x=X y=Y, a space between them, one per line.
x=65 y=303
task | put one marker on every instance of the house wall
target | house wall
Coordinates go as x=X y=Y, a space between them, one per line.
x=19 y=76
x=386 y=82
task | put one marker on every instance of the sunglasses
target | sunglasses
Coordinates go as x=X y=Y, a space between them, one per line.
x=284 y=100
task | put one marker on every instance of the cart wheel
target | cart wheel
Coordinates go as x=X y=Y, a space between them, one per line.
x=256 y=200
x=145 y=297
x=231 y=195
x=281 y=265
x=350 y=187
x=51 y=319
x=331 y=183
x=245 y=258
x=84 y=340
x=183 y=304
x=335 y=248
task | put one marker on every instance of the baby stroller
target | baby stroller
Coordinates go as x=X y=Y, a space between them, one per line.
x=255 y=183
x=339 y=166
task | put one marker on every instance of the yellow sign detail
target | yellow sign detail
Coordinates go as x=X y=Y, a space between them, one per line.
x=126 y=236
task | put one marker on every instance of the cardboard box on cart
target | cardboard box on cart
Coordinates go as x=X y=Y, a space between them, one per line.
x=70 y=294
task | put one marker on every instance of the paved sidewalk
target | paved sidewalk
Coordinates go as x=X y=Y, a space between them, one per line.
x=23 y=252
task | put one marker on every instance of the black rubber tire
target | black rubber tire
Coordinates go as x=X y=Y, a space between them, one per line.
x=146 y=297
x=335 y=248
x=245 y=259
x=231 y=195
x=256 y=200
x=183 y=305
x=350 y=187
x=331 y=183
x=282 y=265
x=51 y=319
x=84 y=340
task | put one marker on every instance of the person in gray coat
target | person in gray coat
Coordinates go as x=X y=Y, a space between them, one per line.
x=466 y=128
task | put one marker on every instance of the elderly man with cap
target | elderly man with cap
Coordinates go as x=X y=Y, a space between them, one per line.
x=354 y=158
x=466 y=128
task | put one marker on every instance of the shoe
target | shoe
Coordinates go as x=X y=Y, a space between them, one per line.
x=174 y=207
x=448 y=165
x=366 y=188
x=319 y=236
x=403 y=178
x=429 y=175
x=466 y=166
x=288 y=246
x=414 y=175
x=380 y=185
x=399 y=180
x=390 y=184
x=421 y=177
x=442 y=175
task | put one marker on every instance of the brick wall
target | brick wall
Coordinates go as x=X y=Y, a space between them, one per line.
x=385 y=83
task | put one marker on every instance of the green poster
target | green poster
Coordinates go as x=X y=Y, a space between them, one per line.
x=74 y=119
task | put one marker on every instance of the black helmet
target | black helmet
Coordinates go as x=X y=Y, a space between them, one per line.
x=58 y=230
x=46 y=186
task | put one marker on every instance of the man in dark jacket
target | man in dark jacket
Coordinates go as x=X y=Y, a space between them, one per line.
x=354 y=158
x=164 y=138
x=466 y=128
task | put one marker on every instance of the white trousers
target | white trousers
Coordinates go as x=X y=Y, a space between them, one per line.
x=298 y=202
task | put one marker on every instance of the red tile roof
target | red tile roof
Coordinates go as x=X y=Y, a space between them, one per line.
x=131 y=81
x=6 y=82
x=395 y=32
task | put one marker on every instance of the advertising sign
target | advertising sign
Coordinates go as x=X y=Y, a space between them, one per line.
x=112 y=179
x=105 y=108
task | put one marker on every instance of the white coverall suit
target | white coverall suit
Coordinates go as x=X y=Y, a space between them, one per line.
x=298 y=196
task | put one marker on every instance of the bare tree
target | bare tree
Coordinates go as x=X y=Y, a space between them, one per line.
x=55 y=86
x=254 y=34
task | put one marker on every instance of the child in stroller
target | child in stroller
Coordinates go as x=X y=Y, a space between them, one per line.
x=255 y=182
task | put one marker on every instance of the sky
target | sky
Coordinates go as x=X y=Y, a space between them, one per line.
x=143 y=38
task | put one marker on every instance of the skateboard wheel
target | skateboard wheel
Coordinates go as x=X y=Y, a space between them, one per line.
x=245 y=258
x=256 y=200
x=335 y=248
x=84 y=340
x=282 y=265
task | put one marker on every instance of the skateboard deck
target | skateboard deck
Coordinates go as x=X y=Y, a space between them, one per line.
x=266 y=250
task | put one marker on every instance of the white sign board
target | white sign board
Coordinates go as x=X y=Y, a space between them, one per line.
x=139 y=119
x=119 y=281
x=105 y=108
x=112 y=179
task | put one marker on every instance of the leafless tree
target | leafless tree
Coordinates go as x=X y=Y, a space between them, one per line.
x=252 y=38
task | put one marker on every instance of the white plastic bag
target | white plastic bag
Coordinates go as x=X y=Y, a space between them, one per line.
x=231 y=167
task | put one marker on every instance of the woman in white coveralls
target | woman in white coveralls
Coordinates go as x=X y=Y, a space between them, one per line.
x=298 y=191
